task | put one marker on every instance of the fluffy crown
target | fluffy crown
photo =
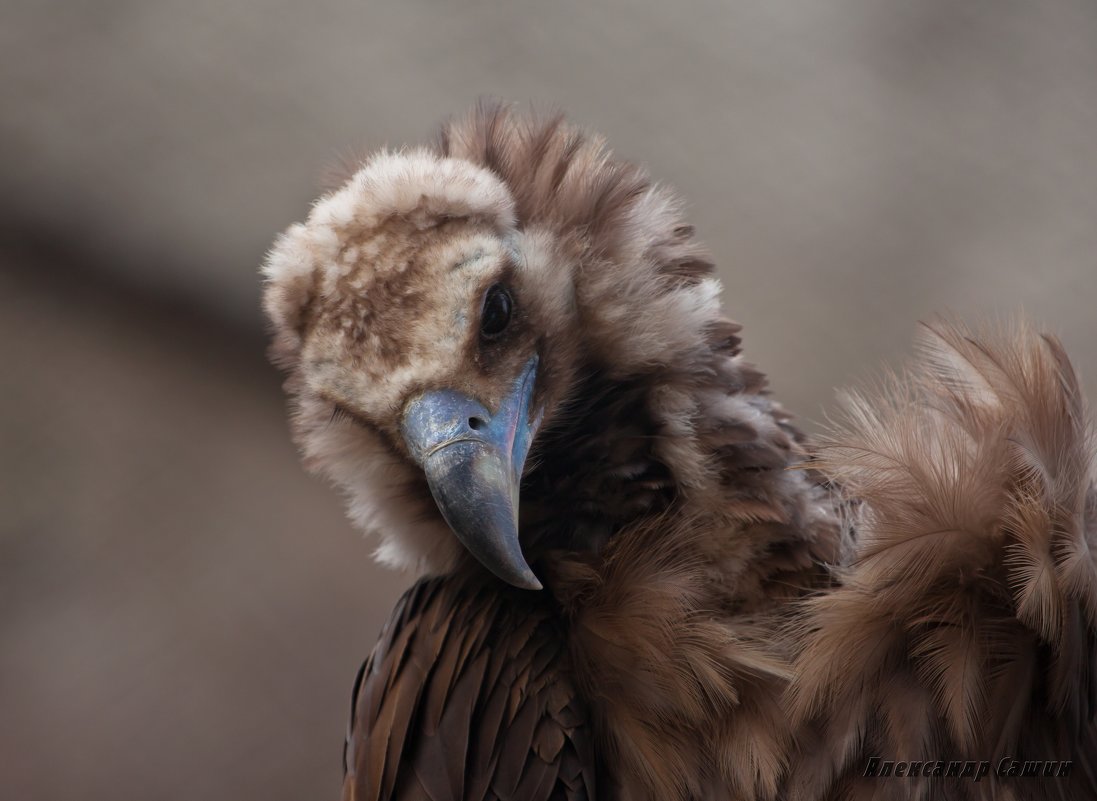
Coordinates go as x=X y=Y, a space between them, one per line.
x=417 y=186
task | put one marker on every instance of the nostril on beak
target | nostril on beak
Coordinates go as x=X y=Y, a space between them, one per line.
x=476 y=424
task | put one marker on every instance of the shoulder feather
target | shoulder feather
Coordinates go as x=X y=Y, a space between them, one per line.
x=966 y=622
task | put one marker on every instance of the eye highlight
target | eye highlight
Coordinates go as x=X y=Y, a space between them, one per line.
x=496 y=312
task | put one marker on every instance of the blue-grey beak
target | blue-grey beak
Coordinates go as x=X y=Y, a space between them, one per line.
x=473 y=461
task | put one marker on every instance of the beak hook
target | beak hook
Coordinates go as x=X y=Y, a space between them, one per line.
x=473 y=461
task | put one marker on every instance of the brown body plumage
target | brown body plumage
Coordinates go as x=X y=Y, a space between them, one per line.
x=728 y=611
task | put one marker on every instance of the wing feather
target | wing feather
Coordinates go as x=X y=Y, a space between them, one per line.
x=468 y=697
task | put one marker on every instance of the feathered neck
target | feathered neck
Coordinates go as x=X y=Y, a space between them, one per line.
x=671 y=441
x=692 y=534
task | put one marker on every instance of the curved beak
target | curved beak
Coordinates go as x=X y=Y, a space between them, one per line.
x=473 y=462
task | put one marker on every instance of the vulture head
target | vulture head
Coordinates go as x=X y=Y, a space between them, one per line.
x=495 y=345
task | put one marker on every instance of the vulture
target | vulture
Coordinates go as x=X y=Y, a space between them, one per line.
x=635 y=577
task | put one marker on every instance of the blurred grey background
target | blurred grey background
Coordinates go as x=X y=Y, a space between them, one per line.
x=182 y=609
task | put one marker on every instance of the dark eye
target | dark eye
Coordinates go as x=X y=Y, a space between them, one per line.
x=495 y=316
